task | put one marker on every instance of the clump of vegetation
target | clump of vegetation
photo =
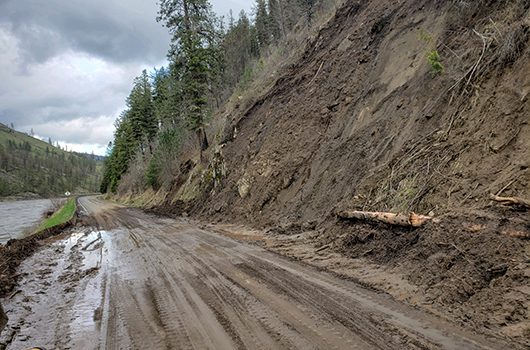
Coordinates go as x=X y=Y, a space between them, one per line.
x=513 y=43
x=433 y=57
x=62 y=216
x=152 y=173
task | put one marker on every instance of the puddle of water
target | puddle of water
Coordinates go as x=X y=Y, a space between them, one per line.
x=85 y=324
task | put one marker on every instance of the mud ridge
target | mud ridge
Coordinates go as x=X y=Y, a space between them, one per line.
x=18 y=250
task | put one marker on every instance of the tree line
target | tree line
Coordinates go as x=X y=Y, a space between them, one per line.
x=24 y=168
x=208 y=57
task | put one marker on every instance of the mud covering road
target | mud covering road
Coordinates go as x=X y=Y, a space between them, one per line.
x=131 y=280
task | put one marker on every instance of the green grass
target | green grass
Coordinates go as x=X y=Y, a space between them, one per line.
x=63 y=215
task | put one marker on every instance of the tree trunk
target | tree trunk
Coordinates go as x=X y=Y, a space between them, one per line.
x=3 y=319
x=410 y=220
x=203 y=141
x=515 y=201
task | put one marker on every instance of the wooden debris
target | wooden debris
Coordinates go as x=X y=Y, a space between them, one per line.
x=511 y=201
x=14 y=293
x=324 y=247
x=406 y=220
x=517 y=234
x=3 y=319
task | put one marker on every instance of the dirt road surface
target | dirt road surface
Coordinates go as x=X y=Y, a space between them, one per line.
x=135 y=281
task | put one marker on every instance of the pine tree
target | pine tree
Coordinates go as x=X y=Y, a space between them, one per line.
x=141 y=111
x=262 y=24
x=276 y=19
x=161 y=83
x=191 y=24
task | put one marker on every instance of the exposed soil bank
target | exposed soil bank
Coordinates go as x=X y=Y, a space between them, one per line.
x=360 y=122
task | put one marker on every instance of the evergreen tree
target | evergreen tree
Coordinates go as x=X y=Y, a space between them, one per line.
x=261 y=24
x=161 y=90
x=192 y=26
x=141 y=111
x=276 y=19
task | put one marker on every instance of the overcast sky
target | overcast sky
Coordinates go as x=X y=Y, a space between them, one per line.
x=66 y=66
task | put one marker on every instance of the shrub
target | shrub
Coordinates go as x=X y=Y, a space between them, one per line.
x=513 y=44
x=433 y=57
x=152 y=173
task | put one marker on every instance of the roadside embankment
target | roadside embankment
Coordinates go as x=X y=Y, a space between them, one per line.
x=17 y=250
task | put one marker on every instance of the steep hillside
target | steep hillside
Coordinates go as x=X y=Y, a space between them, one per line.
x=394 y=106
x=29 y=165
x=360 y=122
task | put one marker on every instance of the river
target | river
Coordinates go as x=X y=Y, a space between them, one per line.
x=18 y=216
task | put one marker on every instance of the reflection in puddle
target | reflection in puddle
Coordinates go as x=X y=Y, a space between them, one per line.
x=64 y=283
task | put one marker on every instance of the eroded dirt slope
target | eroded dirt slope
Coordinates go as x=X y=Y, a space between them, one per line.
x=361 y=122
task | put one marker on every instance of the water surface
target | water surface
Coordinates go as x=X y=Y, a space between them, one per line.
x=18 y=216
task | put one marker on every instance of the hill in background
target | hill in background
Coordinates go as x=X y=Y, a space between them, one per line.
x=30 y=165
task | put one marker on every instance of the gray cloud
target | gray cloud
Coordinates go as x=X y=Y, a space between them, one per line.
x=66 y=66
x=119 y=30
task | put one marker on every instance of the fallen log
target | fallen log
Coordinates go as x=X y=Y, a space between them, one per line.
x=511 y=201
x=3 y=319
x=406 y=220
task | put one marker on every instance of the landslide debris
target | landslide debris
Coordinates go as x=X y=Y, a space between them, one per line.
x=396 y=106
x=467 y=266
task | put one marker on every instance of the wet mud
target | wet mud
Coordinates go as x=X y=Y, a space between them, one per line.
x=133 y=280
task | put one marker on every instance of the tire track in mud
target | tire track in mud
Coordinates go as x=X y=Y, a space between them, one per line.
x=165 y=284
x=323 y=334
x=231 y=304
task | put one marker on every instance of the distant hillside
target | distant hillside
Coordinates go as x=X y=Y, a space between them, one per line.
x=31 y=165
x=95 y=157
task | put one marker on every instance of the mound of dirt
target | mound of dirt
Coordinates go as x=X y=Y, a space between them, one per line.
x=468 y=265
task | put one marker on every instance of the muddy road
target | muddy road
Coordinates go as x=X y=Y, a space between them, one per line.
x=135 y=281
